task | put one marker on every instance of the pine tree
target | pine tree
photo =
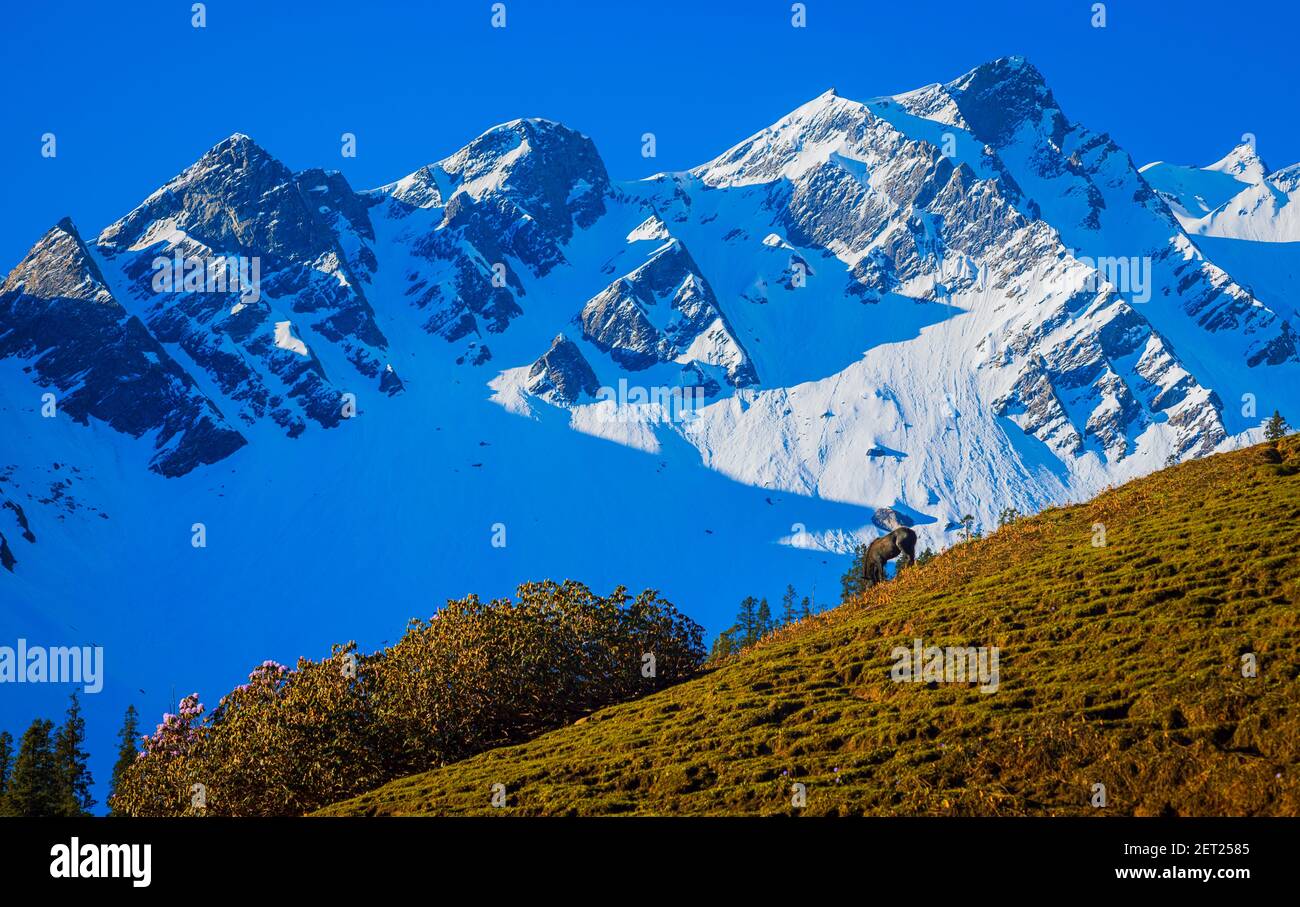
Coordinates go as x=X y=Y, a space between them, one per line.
x=854 y=582
x=764 y=618
x=34 y=786
x=6 y=764
x=74 y=774
x=805 y=608
x=6 y=758
x=925 y=557
x=1276 y=428
x=724 y=645
x=126 y=751
x=747 y=621
x=968 y=522
x=789 y=613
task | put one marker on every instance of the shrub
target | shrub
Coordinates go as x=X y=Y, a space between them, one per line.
x=474 y=676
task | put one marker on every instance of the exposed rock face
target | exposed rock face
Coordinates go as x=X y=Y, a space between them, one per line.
x=910 y=219
x=562 y=374
x=995 y=99
x=390 y=383
x=346 y=213
x=887 y=519
x=509 y=200
x=1092 y=193
x=1115 y=364
x=532 y=167
x=59 y=317
x=14 y=519
x=694 y=377
x=236 y=198
x=658 y=312
x=329 y=191
x=239 y=206
x=465 y=295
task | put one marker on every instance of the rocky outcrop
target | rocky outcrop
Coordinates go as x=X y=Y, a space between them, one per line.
x=887 y=519
x=562 y=375
x=661 y=311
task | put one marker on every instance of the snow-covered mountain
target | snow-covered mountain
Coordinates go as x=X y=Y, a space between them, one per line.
x=1237 y=196
x=906 y=309
x=1244 y=216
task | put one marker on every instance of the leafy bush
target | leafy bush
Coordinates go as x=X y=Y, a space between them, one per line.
x=474 y=676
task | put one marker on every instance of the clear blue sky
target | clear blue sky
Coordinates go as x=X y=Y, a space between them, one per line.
x=134 y=93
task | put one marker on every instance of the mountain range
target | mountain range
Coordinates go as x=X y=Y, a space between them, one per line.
x=904 y=310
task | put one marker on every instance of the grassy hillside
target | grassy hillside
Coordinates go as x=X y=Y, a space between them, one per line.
x=1120 y=665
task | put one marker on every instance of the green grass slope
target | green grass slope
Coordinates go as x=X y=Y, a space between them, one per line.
x=1120 y=665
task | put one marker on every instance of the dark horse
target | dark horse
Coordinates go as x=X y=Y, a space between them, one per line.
x=901 y=541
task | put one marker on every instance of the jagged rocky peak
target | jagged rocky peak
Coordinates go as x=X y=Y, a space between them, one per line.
x=652 y=229
x=59 y=267
x=996 y=98
x=58 y=316
x=1242 y=163
x=236 y=198
x=850 y=179
x=238 y=210
x=1090 y=192
x=562 y=374
x=555 y=172
x=792 y=145
x=507 y=203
